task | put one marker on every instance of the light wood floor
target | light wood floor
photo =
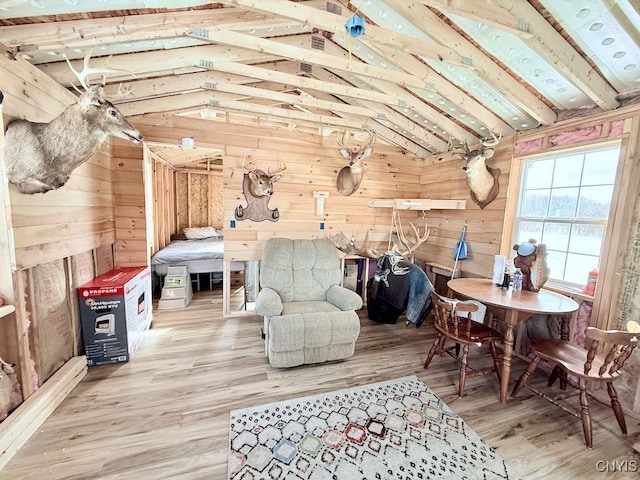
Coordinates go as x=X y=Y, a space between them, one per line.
x=164 y=415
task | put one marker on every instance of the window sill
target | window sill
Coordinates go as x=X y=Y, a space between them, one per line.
x=569 y=292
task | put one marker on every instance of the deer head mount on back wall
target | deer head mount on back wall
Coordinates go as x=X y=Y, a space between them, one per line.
x=481 y=179
x=257 y=187
x=41 y=156
x=350 y=176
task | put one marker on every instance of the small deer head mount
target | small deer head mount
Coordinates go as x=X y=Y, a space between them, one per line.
x=482 y=180
x=41 y=156
x=349 y=177
x=257 y=187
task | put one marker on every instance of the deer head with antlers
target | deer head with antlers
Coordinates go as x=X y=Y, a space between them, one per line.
x=482 y=180
x=41 y=156
x=257 y=187
x=349 y=177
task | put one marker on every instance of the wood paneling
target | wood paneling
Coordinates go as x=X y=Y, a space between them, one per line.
x=129 y=200
x=443 y=178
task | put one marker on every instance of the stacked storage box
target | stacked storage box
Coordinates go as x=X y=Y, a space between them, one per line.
x=177 y=290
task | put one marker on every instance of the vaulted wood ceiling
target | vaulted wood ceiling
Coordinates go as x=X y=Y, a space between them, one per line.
x=424 y=75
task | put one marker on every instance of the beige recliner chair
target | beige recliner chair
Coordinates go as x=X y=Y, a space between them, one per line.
x=308 y=316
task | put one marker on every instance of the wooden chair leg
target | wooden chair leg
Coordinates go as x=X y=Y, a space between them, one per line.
x=584 y=414
x=496 y=362
x=432 y=350
x=554 y=375
x=525 y=376
x=617 y=409
x=463 y=370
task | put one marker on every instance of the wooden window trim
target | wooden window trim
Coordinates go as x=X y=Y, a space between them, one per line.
x=605 y=302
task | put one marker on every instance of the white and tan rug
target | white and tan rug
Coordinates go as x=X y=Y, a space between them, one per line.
x=396 y=430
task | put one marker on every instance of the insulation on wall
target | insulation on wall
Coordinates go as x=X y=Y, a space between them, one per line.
x=82 y=271
x=50 y=318
x=103 y=259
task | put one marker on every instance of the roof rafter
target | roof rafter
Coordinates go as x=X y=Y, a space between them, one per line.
x=552 y=46
x=283 y=49
x=437 y=29
x=335 y=23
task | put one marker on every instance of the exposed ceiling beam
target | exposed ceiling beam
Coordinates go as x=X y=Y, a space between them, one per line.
x=388 y=134
x=552 y=46
x=291 y=99
x=223 y=101
x=480 y=11
x=304 y=82
x=436 y=28
x=336 y=24
x=181 y=60
x=174 y=84
x=457 y=97
x=308 y=55
x=93 y=32
x=403 y=124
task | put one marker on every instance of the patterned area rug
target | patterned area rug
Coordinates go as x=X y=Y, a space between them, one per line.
x=396 y=430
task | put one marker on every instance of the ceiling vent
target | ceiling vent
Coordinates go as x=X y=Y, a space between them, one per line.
x=306 y=68
x=317 y=42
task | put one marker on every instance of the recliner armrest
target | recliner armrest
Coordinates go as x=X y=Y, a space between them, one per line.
x=343 y=298
x=268 y=303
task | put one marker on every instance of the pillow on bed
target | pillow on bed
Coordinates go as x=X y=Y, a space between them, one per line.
x=198 y=233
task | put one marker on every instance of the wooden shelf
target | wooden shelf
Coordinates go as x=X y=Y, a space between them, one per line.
x=6 y=310
x=418 y=204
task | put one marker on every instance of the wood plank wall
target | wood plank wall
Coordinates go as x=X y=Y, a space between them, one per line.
x=312 y=163
x=75 y=218
x=46 y=228
x=443 y=178
x=131 y=230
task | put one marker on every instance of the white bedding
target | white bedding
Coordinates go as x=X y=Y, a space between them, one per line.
x=187 y=250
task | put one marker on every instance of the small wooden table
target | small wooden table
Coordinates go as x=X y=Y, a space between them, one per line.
x=517 y=305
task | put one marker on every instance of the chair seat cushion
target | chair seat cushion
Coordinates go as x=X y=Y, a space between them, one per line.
x=289 y=308
x=312 y=330
x=571 y=357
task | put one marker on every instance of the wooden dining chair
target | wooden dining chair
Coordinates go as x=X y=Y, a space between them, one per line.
x=453 y=321
x=601 y=363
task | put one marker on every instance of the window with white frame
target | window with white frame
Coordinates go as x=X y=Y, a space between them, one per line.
x=565 y=202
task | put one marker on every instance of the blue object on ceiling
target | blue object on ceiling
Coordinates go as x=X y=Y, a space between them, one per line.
x=355 y=26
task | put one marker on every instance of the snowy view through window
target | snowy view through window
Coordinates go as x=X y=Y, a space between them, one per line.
x=564 y=203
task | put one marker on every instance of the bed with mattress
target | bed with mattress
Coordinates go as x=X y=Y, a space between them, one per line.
x=204 y=255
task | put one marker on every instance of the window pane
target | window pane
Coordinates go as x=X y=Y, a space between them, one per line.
x=600 y=167
x=556 y=234
x=538 y=174
x=568 y=171
x=535 y=203
x=595 y=202
x=527 y=230
x=563 y=202
x=586 y=239
x=556 y=262
x=578 y=267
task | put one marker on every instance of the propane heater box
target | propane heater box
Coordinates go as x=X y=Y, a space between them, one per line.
x=115 y=311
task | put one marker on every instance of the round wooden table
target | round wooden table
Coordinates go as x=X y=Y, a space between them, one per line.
x=517 y=305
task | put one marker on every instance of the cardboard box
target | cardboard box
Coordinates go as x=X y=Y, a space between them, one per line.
x=115 y=311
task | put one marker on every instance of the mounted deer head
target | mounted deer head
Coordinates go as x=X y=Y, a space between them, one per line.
x=482 y=180
x=260 y=183
x=257 y=187
x=41 y=156
x=349 y=177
